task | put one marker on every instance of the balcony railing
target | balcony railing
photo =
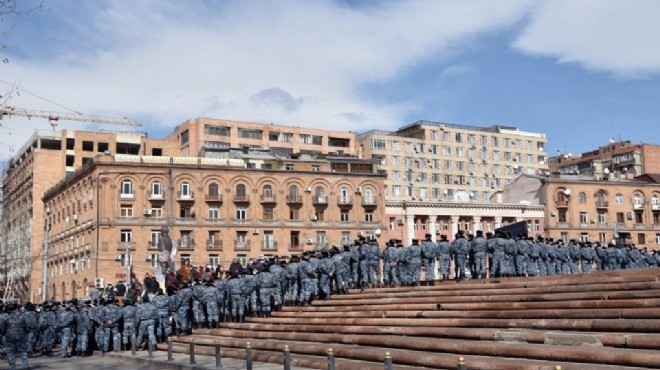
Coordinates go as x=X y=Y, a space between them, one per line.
x=155 y=196
x=214 y=198
x=269 y=246
x=268 y=198
x=344 y=200
x=371 y=201
x=186 y=244
x=655 y=207
x=294 y=199
x=320 y=199
x=189 y=196
x=214 y=245
x=242 y=198
x=126 y=220
x=126 y=195
x=295 y=247
x=602 y=204
x=187 y=219
x=562 y=203
x=241 y=245
x=124 y=246
x=638 y=205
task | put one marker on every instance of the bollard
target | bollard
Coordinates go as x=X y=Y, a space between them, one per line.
x=331 y=359
x=169 y=349
x=118 y=348
x=218 y=359
x=287 y=358
x=192 y=352
x=461 y=364
x=248 y=357
x=133 y=345
x=150 y=346
x=388 y=361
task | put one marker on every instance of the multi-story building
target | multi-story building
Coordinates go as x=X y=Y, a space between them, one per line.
x=587 y=208
x=237 y=204
x=204 y=135
x=46 y=158
x=618 y=158
x=441 y=177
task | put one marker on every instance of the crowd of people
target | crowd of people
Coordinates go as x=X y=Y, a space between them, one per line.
x=116 y=318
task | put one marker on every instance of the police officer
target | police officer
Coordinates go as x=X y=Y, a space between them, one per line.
x=428 y=255
x=212 y=299
x=128 y=314
x=479 y=248
x=307 y=279
x=163 y=304
x=66 y=320
x=110 y=315
x=15 y=329
x=235 y=292
x=198 y=304
x=327 y=272
x=459 y=248
x=146 y=317
x=84 y=328
x=389 y=264
x=293 y=279
x=414 y=258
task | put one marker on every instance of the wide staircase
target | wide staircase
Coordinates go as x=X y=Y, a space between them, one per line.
x=598 y=321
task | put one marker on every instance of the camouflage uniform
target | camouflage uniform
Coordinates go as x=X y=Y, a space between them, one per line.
x=292 y=278
x=307 y=278
x=428 y=253
x=327 y=271
x=47 y=321
x=65 y=321
x=146 y=315
x=235 y=292
x=163 y=304
x=459 y=248
x=212 y=299
x=83 y=328
x=128 y=314
x=266 y=283
x=14 y=328
x=109 y=316
x=414 y=258
x=198 y=304
x=32 y=320
x=182 y=301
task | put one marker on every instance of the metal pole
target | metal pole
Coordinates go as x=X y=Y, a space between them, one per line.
x=218 y=358
x=150 y=346
x=44 y=266
x=331 y=359
x=287 y=358
x=129 y=263
x=169 y=349
x=388 y=361
x=248 y=356
x=192 y=352
x=461 y=364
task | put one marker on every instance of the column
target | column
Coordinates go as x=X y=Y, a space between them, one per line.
x=454 y=226
x=498 y=222
x=432 y=230
x=476 y=224
x=410 y=229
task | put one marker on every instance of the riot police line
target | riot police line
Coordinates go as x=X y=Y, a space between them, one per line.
x=78 y=327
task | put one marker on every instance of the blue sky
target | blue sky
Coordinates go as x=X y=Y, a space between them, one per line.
x=581 y=71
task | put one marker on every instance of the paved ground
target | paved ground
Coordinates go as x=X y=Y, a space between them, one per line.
x=124 y=361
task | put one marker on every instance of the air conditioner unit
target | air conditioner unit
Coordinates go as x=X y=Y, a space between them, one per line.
x=47 y=211
x=399 y=222
x=75 y=217
x=629 y=215
x=308 y=189
x=117 y=258
x=147 y=212
x=313 y=217
x=310 y=241
x=358 y=189
x=255 y=231
x=99 y=283
x=148 y=258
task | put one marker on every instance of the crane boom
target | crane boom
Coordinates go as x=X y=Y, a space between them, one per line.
x=56 y=116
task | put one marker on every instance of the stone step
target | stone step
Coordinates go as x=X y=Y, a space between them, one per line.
x=429 y=353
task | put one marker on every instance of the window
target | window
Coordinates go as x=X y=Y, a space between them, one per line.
x=213 y=191
x=459 y=137
x=245 y=133
x=620 y=219
x=155 y=238
x=125 y=236
x=446 y=150
x=216 y=130
x=88 y=146
x=214 y=212
x=561 y=216
x=294 y=213
x=395 y=146
x=126 y=190
x=584 y=237
x=657 y=238
x=289 y=167
x=185 y=190
x=378 y=144
x=602 y=218
x=641 y=239
x=126 y=211
x=582 y=198
x=637 y=201
x=434 y=135
x=639 y=218
x=267 y=191
x=447 y=165
x=214 y=260
x=269 y=240
x=618 y=198
x=496 y=155
x=460 y=152
x=396 y=190
x=293 y=194
x=185 y=135
x=655 y=202
x=395 y=161
x=316 y=168
x=392 y=223
x=125 y=260
x=241 y=213
x=153 y=260
x=156 y=189
x=268 y=213
x=185 y=258
x=343 y=216
x=156 y=212
x=564 y=236
x=472 y=139
x=409 y=146
x=369 y=216
x=321 y=239
x=241 y=193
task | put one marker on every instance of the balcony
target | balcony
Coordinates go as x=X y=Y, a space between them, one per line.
x=186 y=244
x=561 y=203
x=124 y=246
x=214 y=221
x=602 y=204
x=369 y=224
x=126 y=196
x=344 y=200
x=294 y=223
x=371 y=201
x=343 y=224
x=267 y=198
x=214 y=245
x=126 y=220
x=186 y=220
x=294 y=199
x=655 y=207
x=214 y=198
x=241 y=221
x=269 y=245
x=320 y=200
x=640 y=226
x=638 y=206
x=295 y=247
x=269 y=221
x=241 y=198
x=155 y=196
x=185 y=197
x=241 y=245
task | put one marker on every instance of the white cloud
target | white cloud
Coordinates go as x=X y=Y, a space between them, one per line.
x=171 y=61
x=618 y=37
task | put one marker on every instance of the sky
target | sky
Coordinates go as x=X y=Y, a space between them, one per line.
x=580 y=71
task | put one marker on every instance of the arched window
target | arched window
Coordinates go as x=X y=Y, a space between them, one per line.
x=156 y=189
x=293 y=193
x=241 y=192
x=618 y=198
x=655 y=202
x=319 y=190
x=637 y=201
x=267 y=191
x=213 y=189
x=126 y=189
x=368 y=197
x=582 y=197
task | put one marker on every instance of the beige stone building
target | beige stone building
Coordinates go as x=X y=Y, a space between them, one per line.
x=241 y=204
x=441 y=177
x=46 y=158
x=586 y=208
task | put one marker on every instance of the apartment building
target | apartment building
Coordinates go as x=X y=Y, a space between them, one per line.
x=46 y=158
x=589 y=208
x=442 y=176
x=236 y=204
x=617 y=157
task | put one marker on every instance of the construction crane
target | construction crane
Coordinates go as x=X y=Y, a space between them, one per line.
x=54 y=117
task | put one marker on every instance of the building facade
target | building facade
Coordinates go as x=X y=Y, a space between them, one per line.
x=622 y=159
x=109 y=215
x=586 y=208
x=46 y=158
